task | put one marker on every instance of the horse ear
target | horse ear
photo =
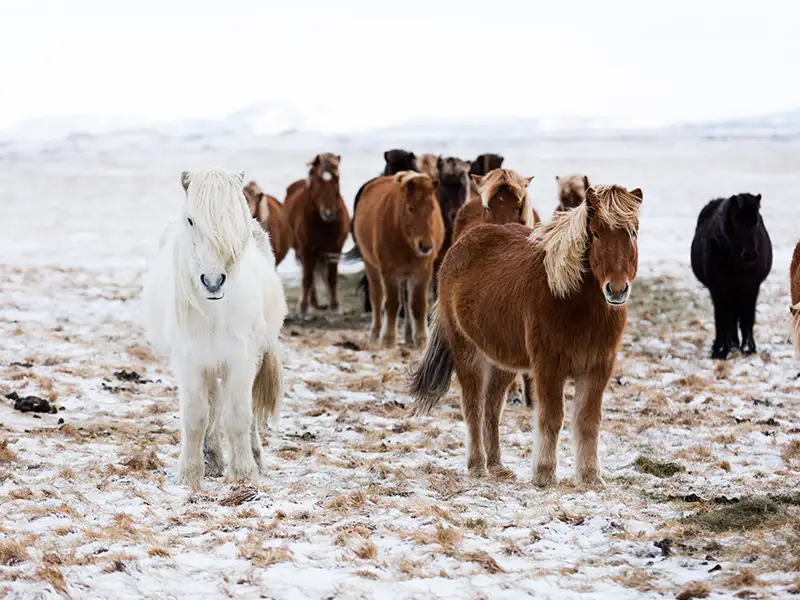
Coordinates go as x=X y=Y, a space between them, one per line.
x=439 y=163
x=410 y=186
x=386 y=156
x=558 y=178
x=338 y=158
x=591 y=199
x=476 y=178
x=435 y=184
x=758 y=197
x=314 y=162
x=638 y=193
x=528 y=180
x=585 y=182
x=186 y=179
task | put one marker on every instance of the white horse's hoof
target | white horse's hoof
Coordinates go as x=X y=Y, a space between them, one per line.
x=247 y=472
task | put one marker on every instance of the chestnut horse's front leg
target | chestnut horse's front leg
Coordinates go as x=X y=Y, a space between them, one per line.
x=588 y=413
x=548 y=417
x=419 y=310
x=391 y=298
x=333 y=284
x=309 y=262
x=375 y=297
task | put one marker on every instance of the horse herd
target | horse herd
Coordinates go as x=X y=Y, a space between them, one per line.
x=515 y=297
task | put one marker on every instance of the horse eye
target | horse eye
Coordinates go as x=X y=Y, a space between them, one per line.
x=633 y=233
x=410 y=208
x=191 y=223
x=597 y=237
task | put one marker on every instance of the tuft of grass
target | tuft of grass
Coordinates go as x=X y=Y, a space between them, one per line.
x=12 y=553
x=142 y=460
x=790 y=453
x=7 y=455
x=657 y=468
x=52 y=575
x=744 y=515
x=698 y=589
x=239 y=495
x=367 y=551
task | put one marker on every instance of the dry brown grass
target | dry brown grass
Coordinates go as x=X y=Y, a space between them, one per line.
x=239 y=495
x=365 y=384
x=12 y=553
x=7 y=455
x=142 y=460
x=744 y=578
x=698 y=589
x=52 y=575
x=636 y=578
x=367 y=551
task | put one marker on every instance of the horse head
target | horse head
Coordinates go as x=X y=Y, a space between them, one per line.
x=399 y=160
x=419 y=213
x=504 y=196
x=323 y=185
x=613 y=222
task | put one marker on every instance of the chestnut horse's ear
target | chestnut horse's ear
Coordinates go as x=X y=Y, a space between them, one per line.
x=338 y=158
x=476 y=178
x=591 y=199
x=398 y=177
x=186 y=179
x=314 y=162
x=638 y=193
x=435 y=184
x=585 y=182
x=528 y=180
x=410 y=186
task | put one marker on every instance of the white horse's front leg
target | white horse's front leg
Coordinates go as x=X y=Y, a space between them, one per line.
x=237 y=419
x=212 y=446
x=194 y=421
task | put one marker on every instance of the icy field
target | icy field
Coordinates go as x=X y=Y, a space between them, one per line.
x=701 y=458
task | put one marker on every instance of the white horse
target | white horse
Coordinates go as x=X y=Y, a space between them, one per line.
x=214 y=304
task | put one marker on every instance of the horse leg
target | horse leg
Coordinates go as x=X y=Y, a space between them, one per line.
x=587 y=415
x=392 y=303
x=333 y=284
x=194 y=421
x=528 y=390
x=309 y=291
x=406 y=291
x=548 y=417
x=237 y=418
x=722 y=318
x=212 y=445
x=494 y=402
x=747 y=317
x=375 y=297
x=418 y=315
x=255 y=445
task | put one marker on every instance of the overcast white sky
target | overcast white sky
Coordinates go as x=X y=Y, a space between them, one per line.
x=369 y=60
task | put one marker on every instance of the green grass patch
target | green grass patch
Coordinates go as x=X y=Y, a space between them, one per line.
x=657 y=468
x=744 y=515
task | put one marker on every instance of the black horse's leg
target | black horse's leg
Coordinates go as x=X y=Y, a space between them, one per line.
x=722 y=310
x=747 y=318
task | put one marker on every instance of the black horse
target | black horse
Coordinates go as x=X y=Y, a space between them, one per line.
x=396 y=161
x=732 y=256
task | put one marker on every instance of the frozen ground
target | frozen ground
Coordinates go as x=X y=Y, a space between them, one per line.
x=361 y=500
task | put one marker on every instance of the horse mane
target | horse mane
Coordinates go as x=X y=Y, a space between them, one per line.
x=497 y=179
x=216 y=204
x=566 y=238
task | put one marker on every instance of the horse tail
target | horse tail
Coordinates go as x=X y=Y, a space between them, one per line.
x=354 y=254
x=794 y=310
x=268 y=389
x=430 y=379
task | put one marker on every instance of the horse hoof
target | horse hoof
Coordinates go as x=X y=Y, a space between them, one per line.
x=389 y=342
x=478 y=472
x=590 y=481
x=190 y=476
x=720 y=352
x=748 y=348
x=501 y=472
x=214 y=469
x=242 y=473
x=544 y=479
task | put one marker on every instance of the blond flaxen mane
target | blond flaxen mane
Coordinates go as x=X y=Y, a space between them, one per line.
x=566 y=238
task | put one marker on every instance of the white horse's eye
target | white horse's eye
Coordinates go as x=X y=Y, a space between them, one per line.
x=189 y=220
x=326 y=176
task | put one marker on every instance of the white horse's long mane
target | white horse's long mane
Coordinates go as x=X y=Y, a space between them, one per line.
x=216 y=204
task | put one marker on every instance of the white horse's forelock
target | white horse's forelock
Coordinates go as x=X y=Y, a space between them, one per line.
x=216 y=204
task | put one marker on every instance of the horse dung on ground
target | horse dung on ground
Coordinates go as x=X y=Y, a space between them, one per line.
x=398 y=232
x=571 y=191
x=502 y=198
x=270 y=214
x=213 y=303
x=732 y=256
x=320 y=223
x=551 y=303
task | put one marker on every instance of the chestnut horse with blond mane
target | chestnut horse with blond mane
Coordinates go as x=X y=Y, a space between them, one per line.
x=398 y=231
x=320 y=223
x=502 y=198
x=270 y=215
x=551 y=303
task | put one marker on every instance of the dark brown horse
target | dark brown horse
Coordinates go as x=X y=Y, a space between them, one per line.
x=571 y=191
x=486 y=163
x=319 y=221
x=398 y=231
x=551 y=303
x=502 y=198
x=270 y=214
x=453 y=192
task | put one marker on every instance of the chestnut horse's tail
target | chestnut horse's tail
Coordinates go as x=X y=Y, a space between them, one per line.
x=354 y=254
x=430 y=379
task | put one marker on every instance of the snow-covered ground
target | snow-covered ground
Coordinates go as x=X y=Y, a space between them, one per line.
x=361 y=500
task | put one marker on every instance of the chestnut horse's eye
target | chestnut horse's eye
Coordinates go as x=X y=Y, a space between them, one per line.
x=633 y=233
x=191 y=223
x=596 y=236
x=410 y=208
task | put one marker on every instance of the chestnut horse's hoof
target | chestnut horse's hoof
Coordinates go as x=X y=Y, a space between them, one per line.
x=389 y=342
x=478 y=472
x=590 y=480
x=544 y=479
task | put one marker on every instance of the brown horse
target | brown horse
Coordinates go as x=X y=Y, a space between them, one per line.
x=398 y=230
x=269 y=213
x=571 y=191
x=485 y=163
x=549 y=302
x=503 y=198
x=319 y=221
x=794 y=284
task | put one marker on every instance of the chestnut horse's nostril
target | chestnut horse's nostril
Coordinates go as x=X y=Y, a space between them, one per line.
x=424 y=248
